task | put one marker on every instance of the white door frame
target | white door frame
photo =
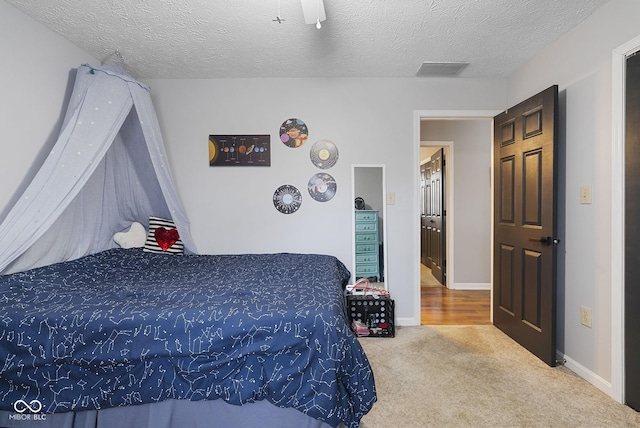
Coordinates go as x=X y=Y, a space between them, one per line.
x=617 y=215
x=440 y=114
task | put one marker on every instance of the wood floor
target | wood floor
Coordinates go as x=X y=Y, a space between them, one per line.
x=442 y=306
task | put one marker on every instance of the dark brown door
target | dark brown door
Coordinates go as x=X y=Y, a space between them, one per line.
x=436 y=218
x=425 y=226
x=524 y=289
x=632 y=234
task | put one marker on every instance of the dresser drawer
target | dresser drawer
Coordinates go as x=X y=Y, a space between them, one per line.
x=366 y=270
x=367 y=248
x=367 y=227
x=367 y=258
x=366 y=237
x=366 y=216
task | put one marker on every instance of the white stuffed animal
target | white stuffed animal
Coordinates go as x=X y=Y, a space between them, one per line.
x=135 y=237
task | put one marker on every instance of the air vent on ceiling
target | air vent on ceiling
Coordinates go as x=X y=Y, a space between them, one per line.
x=441 y=69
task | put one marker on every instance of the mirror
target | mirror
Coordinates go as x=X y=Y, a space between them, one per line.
x=369 y=229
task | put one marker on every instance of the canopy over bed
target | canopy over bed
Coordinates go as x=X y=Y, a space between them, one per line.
x=108 y=168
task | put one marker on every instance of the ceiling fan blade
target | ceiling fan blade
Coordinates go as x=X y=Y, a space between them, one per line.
x=313 y=11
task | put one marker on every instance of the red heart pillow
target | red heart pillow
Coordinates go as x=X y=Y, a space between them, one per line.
x=163 y=237
x=166 y=237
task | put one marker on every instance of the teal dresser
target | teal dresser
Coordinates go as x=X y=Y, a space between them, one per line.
x=367 y=241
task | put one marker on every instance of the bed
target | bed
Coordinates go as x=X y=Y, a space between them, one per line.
x=126 y=335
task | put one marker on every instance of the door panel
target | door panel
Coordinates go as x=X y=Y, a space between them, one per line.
x=532 y=288
x=506 y=189
x=525 y=223
x=505 y=280
x=532 y=208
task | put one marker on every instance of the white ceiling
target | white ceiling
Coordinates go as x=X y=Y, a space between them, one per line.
x=360 y=38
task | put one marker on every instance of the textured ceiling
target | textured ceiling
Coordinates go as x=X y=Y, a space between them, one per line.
x=360 y=38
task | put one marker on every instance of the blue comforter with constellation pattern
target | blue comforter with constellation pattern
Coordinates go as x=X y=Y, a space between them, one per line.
x=124 y=327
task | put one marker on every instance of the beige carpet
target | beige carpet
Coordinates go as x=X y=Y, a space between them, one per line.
x=427 y=279
x=476 y=376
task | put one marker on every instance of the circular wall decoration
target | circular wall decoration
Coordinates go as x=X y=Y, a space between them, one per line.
x=322 y=187
x=324 y=154
x=294 y=132
x=287 y=199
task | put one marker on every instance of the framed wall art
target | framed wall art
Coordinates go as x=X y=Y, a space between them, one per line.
x=240 y=150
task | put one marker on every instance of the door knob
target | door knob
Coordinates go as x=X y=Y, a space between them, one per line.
x=546 y=240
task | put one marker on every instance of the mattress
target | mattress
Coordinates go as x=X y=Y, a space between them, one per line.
x=126 y=327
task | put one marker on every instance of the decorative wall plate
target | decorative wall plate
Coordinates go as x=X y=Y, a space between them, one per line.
x=294 y=132
x=322 y=187
x=324 y=154
x=287 y=199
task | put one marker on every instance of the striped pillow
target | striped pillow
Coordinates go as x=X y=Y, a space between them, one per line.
x=163 y=237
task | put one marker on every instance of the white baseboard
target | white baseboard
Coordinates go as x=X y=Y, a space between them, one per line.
x=586 y=374
x=471 y=286
x=407 y=322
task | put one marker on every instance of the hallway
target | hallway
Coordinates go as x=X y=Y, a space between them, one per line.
x=442 y=306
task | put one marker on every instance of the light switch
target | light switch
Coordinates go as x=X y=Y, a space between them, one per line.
x=391 y=198
x=585 y=194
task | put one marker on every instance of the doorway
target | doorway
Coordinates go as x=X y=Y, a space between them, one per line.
x=466 y=289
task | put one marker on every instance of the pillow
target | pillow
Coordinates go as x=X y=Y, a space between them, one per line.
x=163 y=237
x=135 y=237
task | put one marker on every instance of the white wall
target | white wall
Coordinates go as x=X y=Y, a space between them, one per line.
x=35 y=80
x=580 y=63
x=370 y=121
x=471 y=211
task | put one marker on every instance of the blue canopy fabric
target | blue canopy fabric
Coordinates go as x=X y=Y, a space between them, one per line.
x=108 y=168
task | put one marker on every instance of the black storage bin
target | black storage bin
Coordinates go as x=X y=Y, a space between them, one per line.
x=377 y=313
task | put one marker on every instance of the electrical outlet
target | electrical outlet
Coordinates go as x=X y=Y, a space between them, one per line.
x=585 y=316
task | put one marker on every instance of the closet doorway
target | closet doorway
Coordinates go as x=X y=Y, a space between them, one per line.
x=462 y=293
